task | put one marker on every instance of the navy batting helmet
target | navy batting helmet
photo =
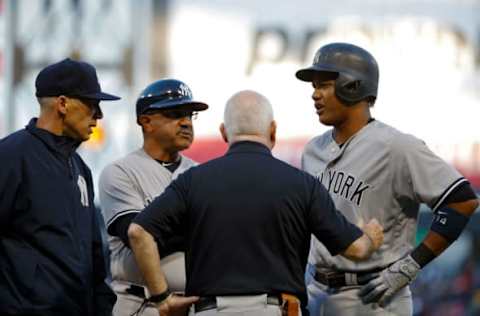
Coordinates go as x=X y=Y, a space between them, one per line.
x=167 y=94
x=356 y=69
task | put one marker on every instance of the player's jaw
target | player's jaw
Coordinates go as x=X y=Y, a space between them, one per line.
x=324 y=113
x=85 y=130
x=319 y=108
x=331 y=112
x=79 y=126
x=90 y=130
x=184 y=137
x=186 y=133
x=324 y=98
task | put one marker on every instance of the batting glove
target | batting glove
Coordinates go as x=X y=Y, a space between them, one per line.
x=382 y=289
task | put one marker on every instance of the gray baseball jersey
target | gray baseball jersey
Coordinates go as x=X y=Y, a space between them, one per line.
x=378 y=173
x=127 y=186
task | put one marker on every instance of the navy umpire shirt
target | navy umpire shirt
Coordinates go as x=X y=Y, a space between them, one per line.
x=247 y=218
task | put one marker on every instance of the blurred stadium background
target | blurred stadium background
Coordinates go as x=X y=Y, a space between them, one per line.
x=428 y=51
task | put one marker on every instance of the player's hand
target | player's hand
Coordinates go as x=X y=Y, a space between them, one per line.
x=374 y=231
x=382 y=288
x=176 y=305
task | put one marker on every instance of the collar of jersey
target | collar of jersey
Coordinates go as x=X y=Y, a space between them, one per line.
x=61 y=144
x=365 y=127
x=248 y=147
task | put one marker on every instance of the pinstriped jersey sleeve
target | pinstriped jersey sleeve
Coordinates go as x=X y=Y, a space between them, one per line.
x=419 y=174
x=117 y=194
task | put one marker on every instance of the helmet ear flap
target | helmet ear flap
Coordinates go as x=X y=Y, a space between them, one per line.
x=348 y=89
x=352 y=87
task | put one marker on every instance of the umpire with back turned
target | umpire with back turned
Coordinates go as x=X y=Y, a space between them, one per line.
x=51 y=256
x=247 y=218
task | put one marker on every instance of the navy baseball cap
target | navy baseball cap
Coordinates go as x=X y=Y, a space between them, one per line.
x=70 y=78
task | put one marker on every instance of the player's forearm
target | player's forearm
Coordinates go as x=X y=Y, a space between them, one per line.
x=466 y=208
x=120 y=227
x=438 y=243
x=365 y=245
x=148 y=258
x=360 y=249
x=435 y=243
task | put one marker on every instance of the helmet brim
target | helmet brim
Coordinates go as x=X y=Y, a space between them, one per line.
x=186 y=104
x=308 y=74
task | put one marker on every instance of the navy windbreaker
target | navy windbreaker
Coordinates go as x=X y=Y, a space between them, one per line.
x=51 y=259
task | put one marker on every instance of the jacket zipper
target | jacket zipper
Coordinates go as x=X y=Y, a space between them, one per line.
x=70 y=167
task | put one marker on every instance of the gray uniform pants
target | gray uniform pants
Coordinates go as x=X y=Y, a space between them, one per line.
x=345 y=301
x=255 y=305
x=173 y=267
x=127 y=304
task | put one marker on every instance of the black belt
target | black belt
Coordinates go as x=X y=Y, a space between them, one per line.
x=210 y=302
x=136 y=290
x=334 y=279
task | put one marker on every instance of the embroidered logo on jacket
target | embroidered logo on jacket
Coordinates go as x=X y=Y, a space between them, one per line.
x=82 y=186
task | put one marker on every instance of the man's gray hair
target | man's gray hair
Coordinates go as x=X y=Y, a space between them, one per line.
x=247 y=113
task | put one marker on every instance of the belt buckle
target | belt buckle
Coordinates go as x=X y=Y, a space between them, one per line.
x=136 y=290
x=210 y=302
x=205 y=303
x=331 y=279
x=335 y=279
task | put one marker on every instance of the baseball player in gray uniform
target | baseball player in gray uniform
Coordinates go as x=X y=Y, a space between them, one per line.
x=373 y=170
x=164 y=111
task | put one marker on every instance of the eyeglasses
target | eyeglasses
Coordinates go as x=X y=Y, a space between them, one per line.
x=174 y=114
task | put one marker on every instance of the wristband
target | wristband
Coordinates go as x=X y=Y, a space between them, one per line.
x=422 y=255
x=160 y=298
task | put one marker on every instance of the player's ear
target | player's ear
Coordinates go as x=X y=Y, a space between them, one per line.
x=144 y=122
x=60 y=104
x=223 y=132
x=273 y=133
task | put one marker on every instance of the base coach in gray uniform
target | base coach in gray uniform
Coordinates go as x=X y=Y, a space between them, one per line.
x=247 y=218
x=165 y=110
x=51 y=256
x=374 y=171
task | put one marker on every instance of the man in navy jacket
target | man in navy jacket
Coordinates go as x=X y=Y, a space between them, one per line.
x=51 y=258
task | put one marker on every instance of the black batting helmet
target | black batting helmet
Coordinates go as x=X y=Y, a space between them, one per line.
x=167 y=94
x=356 y=69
